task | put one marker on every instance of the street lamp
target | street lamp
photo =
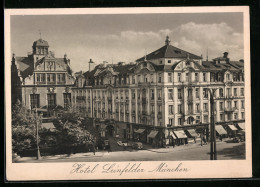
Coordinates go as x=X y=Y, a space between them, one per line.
x=213 y=148
x=37 y=134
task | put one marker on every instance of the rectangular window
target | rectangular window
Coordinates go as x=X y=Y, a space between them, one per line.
x=204 y=77
x=170 y=121
x=170 y=94
x=179 y=77
x=235 y=91
x=152 y=108
x=197 y=107
x=179 y=108
x=67 y=100
x=139 y=78
x=221 y=106
x=179 y=121
x=160 y=108
x=159 y=78
x=170 y=109
x=169 y=77
x=197 y=93
x=242 y=91
x=159 y=94
x=133 y=94
x=205 y=107
x=228 y=92
x=152 y=94
x=221 y=117
x=229 y=104
x=235 y=104
x=151 y=78
x=242 y=104
x=179 y=94
x=160 y=61
x=38 y=77
x=35 y=100
x=187 y=77
x=51 y=100
x=133 y=79
x=206 y=118
x=243 y=115
x=221 y=94
x=169 y=61
x=205 y=93
x=235 y=115
x=196 y=77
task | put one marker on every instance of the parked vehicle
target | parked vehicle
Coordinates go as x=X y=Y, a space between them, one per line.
x=120 y=143
x=137 y=145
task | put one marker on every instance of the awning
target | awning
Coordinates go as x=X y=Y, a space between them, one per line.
x=220 y=130
x=48 y=125
x=232 y=127
x=241 y=125
x=152 y=134
x=139 y=131
x=173 y=136
x=180 y=134
x=192 y=132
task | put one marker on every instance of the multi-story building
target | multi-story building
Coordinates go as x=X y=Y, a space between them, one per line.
x=151 y=100
x=165 y=91
x=40 y=80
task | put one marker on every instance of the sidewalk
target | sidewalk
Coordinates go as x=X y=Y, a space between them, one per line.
x=106 y=154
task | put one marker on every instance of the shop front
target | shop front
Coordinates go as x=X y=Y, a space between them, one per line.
x=192 y=135
x=140 y=135
x=220 y=132
x=232 y=130
x=181 y=137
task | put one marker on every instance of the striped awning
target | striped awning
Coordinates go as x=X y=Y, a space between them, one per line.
x=139 y=131
x=180 y=134
x=232 y=127
x=220 y=130
x=241 y=125
x=173 y=136
x=192 y=132
x=152 y=134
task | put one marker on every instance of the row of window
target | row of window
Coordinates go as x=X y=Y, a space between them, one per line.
x=214 y=77
x=51 y=100
x=50 y=77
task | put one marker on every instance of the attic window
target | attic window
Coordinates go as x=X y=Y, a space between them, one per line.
x=169 y=61
x=176 y=51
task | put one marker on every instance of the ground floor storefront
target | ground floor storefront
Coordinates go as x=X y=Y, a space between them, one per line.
x=160 y=137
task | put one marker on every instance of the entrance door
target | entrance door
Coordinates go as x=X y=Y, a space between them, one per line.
x=110 y=130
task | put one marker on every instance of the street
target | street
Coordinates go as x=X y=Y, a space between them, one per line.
x=225 y=151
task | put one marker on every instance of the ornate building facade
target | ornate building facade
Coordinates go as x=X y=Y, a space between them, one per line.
x=162 y=94
x=44 y=82
x=153 y=100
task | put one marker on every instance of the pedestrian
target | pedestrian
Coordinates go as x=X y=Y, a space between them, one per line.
x=201 y=139
x=204 y=140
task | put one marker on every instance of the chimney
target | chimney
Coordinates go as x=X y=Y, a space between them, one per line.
x=225 y=54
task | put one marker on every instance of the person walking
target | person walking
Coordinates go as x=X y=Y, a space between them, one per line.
x=201 y=139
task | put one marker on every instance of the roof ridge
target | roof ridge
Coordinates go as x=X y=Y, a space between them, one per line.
x=166 y=50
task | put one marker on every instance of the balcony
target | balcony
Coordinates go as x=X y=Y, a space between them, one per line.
x=144 y=84
x=133 y=113
x=189 y=112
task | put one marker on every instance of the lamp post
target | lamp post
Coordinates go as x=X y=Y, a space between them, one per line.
x=213 y=147
x=37 y=134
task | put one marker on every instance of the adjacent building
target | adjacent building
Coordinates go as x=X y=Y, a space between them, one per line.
x=40 y=80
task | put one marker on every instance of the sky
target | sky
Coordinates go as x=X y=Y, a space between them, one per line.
x=127 y=37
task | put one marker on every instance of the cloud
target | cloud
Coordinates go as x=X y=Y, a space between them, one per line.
x=130 y=45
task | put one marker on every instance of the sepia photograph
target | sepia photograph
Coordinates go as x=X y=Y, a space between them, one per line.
x=128 y=89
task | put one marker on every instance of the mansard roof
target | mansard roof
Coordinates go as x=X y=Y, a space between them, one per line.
x=231 y=66
x=168 y=51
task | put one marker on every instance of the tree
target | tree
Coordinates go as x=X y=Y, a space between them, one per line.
x=23 y=128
